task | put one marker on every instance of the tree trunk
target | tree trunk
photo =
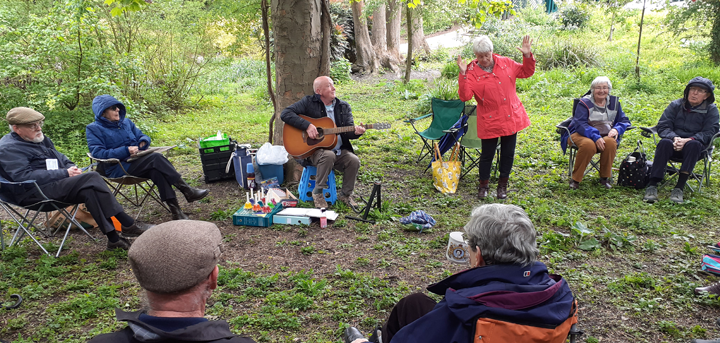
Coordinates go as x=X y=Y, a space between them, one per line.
x=379 y=40
x=264 y=7
x=393 y=19
x=715 y=35
x=637 y=61
x=325 y=27
x=366 y=61
x=418 y=34
x=614 y=10
x=409 y=58
x=297 y=26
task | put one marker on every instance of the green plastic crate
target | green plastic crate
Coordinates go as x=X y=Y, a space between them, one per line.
x=213 y=143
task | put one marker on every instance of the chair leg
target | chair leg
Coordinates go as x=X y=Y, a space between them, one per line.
x=571 y=162
x=71 y=221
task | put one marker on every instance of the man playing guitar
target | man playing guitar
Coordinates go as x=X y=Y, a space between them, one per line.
x=341 y=157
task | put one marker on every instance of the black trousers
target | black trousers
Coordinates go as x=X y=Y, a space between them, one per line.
x=664 y=152
x=507 y=156
x=406 y=311
x=157 y=168
x=88 y=188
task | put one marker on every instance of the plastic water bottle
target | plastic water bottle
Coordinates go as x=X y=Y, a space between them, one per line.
x=323 y=218
x=250 y=176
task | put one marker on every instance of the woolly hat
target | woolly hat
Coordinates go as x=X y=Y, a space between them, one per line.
x=23 y=115
x=176 y=255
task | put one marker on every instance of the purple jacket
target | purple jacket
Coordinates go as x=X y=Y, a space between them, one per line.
x=511 y=293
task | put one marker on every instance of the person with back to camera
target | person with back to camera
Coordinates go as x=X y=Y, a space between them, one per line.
x=686 y=127
x=500 y=114
x=112 y=135
x=506 y=285
x=175 y=263
x=597 y=125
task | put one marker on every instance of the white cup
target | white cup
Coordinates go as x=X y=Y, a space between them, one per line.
x=631 y=159
x=458 y=250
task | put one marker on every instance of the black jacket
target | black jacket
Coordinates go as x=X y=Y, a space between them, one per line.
x=680 y=120
x=313 y=107
x=137 y=331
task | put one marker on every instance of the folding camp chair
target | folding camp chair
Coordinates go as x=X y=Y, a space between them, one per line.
x=445 y=113
x=563 y=129
x=26 y=222
x=471 y=145
x=136 y=190
x=673 y=171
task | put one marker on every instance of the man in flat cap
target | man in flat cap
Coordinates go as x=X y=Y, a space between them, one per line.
x=176 y=264
x=27 y=154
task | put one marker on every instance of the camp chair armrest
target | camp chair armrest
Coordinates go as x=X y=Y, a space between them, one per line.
x=418 y=118
x=105 y=160
x=560 y=129
x=630 y=127
x=648 y=131
x=453 y=130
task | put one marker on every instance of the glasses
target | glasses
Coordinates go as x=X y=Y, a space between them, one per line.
x=35 y=126
x=697 y=90
x=604 y=88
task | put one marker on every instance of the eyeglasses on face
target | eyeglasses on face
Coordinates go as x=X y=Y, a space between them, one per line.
x=35 y=126
x=603 y=88
x=697 y=90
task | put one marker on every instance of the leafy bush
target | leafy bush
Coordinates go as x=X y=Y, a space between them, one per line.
x=340 y=70
x=574 y=16
x=568 y=54
x=450 y=70
x=443 y=89
x=536 y=16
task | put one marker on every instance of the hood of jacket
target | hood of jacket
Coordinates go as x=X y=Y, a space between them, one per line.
x=703 y=83
x=102 y=103
x=202 y=332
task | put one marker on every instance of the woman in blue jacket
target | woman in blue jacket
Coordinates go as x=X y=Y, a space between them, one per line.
x=114 y=136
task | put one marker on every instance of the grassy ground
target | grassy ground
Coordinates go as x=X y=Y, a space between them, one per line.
x=632 y=266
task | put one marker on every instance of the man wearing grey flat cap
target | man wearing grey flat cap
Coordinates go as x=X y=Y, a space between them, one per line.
x=27 y=154
x=176 y=264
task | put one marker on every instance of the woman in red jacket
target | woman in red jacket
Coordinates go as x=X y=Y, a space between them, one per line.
x=491 y=79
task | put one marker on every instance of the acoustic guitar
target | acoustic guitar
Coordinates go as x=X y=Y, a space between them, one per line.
x=299 y=145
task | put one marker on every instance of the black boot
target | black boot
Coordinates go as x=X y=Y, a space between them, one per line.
x=191 y=194
x=177 y=213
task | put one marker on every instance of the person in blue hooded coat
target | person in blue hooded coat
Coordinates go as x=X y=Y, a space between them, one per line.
x=686 y=128
x=112 y=135
x=505 y=282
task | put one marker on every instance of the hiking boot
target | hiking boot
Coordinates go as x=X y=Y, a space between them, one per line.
x=319 y=200
x=348 y=200
x=677 y=195
x=135 y=229
x=177 y=213
x=605 y=182
x=502 y=188
x=650 y=194
x=483 y=189
x=351 y=334
x=191 y=194
x=712 y=289
x=574 y=184
x=122 y=243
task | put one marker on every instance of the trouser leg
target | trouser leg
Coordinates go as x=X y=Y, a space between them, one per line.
x=406 y=311
x=663 y=152
x=349 y=164
x=157 y=168
x=607 y=157
x=324 y=161
x=690 y=155
x=486 y=157
x=507 y=154
x=586 y=151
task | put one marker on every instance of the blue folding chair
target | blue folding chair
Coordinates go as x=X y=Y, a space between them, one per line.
x=26 y=222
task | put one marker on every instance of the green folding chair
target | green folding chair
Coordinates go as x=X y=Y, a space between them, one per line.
x=445 y=113
x=471 y=145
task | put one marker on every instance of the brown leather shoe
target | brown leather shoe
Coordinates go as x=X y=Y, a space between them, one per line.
x=483 y=189
x=574 y=184
x=605 y=182
x=712 y=289
x=502 y=188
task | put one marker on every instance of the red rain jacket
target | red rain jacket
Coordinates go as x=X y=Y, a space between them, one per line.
x=500 y=112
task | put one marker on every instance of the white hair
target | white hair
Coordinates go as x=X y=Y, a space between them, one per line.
x=504 y=234
x=598 y=80
x=482 y=44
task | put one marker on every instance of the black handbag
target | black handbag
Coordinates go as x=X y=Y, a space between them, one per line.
x=635 y=169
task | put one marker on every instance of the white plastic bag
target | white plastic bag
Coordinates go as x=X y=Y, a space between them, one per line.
x=271 y=154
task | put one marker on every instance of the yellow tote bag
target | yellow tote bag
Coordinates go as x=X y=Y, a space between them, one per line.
x=446 y=174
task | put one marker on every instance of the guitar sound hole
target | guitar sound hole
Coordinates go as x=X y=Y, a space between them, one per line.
x=320 y=133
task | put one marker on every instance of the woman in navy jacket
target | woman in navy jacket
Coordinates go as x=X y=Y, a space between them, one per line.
x=114 y=136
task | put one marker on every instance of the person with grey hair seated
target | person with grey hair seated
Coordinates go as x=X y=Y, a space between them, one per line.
x=505 y=282
x=597 y=126
x=176 y=265
x=500 y=114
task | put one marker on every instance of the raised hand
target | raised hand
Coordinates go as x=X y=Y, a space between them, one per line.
x=462 y=65
x=526 y=48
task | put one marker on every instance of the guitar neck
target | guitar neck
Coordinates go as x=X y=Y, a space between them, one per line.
x=344 y=129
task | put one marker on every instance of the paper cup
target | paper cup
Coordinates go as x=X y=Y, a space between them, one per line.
x=458 y=250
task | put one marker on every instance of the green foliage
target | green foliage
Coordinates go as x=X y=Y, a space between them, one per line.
x=484 y=9
x=699 y=19
x=568 y=54
x=340 y=70
x=575 y=17
x=450 y=70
